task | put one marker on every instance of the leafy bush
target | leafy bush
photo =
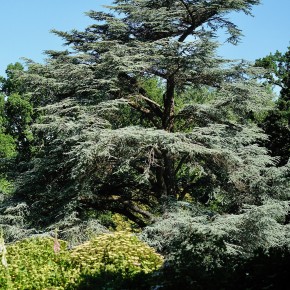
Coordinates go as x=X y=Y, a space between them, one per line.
x=109 y=261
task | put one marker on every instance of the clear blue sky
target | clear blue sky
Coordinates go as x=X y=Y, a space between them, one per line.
x=25 y=26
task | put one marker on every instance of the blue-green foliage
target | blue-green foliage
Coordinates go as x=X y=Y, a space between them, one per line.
x=204 y=250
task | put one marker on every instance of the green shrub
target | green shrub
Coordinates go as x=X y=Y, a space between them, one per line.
x=109 y=261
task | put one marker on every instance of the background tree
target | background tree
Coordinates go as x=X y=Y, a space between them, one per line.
x=7 y=149
x=10 y=84
x=18 y=110
x=277 y=122
x=15 y=144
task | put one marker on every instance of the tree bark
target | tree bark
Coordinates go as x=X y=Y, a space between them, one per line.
x=168 y=125
x=169 y=174
x=168 y=113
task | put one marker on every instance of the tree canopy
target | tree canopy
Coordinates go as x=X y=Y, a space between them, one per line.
x=139 y=109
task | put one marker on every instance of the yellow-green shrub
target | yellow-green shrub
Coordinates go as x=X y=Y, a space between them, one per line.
x=121 y=252
x=115 y=261
x=32 y=263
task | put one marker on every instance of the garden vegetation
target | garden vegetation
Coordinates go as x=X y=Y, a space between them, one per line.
x=160 y=164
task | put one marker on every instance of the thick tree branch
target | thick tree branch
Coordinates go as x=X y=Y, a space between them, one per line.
x=198 y=20
x=187 y=9
x=131 y=84
x=153 y=105
x=146 y=112
x=130 y=216
x=169 y=106
x=138 y=210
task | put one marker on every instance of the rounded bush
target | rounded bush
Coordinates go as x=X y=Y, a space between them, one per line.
x=109 y=261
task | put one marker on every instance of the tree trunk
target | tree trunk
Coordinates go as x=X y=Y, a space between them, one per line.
x=169 y=174
x=168 y=113
x=165 y=176
x=168 y=125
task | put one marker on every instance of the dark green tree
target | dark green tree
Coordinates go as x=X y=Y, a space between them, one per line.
x=169 y=144
x=18 y=110
x=7 y=144
x=7 y=149
x=11 y=84
x=277 y=122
